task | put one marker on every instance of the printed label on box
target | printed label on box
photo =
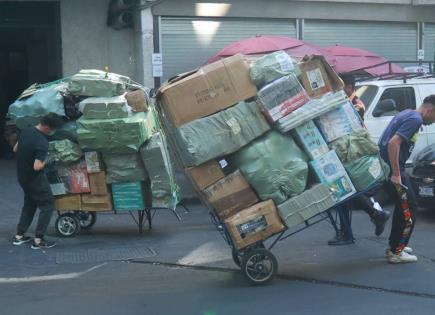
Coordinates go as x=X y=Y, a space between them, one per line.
x=375 y=169
x=234 y=125
x=316 y=79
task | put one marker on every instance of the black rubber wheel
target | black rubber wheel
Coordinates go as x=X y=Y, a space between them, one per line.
x=67 y=225
x=236 y=257
x=259 y=266
x=87 y=219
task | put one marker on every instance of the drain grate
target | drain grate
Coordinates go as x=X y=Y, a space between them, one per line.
x=102 y=255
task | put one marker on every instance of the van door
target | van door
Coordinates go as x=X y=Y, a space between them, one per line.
x=426 y=90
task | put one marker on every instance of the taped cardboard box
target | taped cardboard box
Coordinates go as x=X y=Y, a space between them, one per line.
x=313 y=201
x=318 y=77
x=68 y=203
x=137 y=101
x=205 y=174
x=71 y=179
x=97 y=203
x=206 y=91
x=230 y=195
x=97 y=183
x=311 y=140
x=254 y=224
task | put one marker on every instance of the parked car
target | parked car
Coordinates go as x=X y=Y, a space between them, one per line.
x=423 y=177
x=385 y=98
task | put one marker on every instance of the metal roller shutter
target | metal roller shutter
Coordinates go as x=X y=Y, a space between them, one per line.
x=429 y=41
x=395 y=41
x=187 y=43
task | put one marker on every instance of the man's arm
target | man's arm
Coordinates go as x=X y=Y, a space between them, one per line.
x=393 y=156
x=15 y=148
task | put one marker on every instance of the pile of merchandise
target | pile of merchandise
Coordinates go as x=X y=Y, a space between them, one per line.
x=112 y=153
x=270 y=144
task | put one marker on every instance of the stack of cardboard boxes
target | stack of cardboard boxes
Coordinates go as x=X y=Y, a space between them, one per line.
x=297 y=99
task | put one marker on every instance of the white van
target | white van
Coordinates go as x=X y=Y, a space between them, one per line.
x=385 y=98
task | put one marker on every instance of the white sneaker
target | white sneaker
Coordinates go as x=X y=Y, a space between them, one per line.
x=403 y=257
x=407 y=250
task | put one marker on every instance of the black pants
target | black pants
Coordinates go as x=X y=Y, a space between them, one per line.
x=363 y=202
x=37 y=194
x=404 y=215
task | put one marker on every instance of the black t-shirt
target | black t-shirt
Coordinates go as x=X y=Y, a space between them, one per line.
x=32 y=145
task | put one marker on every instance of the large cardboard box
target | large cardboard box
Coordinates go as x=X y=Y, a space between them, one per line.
x=128 y=196
x=205 y=174
x=254 y=224
x=70 y=179
x=68 y=203
x=204 y=92
x=311 y=140
x=318 y=77
x=93 y=162
x=137 y=101
x=97 y=203
x=230 y=195
x=97 y=183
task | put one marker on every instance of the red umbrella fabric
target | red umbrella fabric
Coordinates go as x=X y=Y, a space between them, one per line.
x=261 y=45
x=349 y=59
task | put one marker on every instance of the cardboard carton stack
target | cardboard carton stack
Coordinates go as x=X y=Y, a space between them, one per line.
x=257 y=180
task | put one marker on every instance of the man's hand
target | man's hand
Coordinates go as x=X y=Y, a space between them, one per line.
x=38 y=165
x=397 y=180
x=359 y=105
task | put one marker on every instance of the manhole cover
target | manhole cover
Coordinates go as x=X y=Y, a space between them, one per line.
x=101 y=255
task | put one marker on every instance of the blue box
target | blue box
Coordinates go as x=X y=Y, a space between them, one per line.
x=128 y=196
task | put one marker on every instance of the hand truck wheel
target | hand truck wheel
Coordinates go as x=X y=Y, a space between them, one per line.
x=259 y=265
x=67 y=225
x=87 y=219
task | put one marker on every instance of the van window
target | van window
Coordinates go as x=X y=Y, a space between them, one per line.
x=366 y=93
x=404 y=98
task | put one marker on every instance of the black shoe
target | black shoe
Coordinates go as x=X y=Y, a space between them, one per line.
x=379 y=220
x=43 y=244
x=20 y=241
x=341 y=239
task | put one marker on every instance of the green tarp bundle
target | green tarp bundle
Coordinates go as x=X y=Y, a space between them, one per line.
x=97 y=83
x=155 y=156
x=64 y=151
x=105 y=107
x=354 y=146
x=124 y=168
x=220 y=134
x=28 y=111
x=116 y=136
x=367 y=171
x=274 y=166
x=271 y=67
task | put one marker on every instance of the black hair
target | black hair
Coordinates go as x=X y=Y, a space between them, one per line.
x=52 y=121
x=348 y=79
x=429 y=99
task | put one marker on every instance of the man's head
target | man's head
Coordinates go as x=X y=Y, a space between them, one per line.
x=349 y=84
x=50 y=123
x=427 y=110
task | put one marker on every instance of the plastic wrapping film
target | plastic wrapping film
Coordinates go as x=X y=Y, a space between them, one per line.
x=220 y=134
x=367 y=171
x=28 y=111
x=64 y=151
x=312 y=110
x=97 y=83
x=354 y=146
x=274 y=166
x=313 y=201
x=116 y=136
x=155 y=156
x=124 y=168
x=271 y=67
x=281 y=97
x=105 y=107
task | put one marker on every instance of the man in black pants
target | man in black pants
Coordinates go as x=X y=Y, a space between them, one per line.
x=31 y=150
x=396 y=145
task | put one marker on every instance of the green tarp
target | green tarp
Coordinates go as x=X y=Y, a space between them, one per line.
x=105 y=107
x=97 y=83
x=367 y=171
x=220 y=134
x=64 y=151
x=274 y=166
x=116 y=136
x=124 y=168
x=28 y=111
x=155 y=156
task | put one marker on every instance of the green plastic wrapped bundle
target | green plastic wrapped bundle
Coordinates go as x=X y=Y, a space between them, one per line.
x=124 y=168
x=354 y=146
x=274 y=166
x=155 y=156
x=28 y=111
x=64 y=151
x=271 y=67
x=220 y=134
x=105 y=107
x=97 y=83
x=116 y=136
x=367 y=171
